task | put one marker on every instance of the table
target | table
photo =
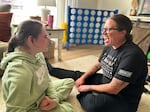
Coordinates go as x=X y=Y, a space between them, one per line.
x=52 y=33
x=56 y=33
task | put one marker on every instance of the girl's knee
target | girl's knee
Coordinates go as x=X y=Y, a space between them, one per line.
x=69 y=82
x=64 y=107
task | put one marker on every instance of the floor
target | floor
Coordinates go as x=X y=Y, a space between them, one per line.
x=80 y=51
x=77 y=51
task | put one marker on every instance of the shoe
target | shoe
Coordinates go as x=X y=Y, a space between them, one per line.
x=148 y=78
x=148 y=62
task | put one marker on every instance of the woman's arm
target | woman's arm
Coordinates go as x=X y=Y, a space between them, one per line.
x=114 y=87
x=89 y=72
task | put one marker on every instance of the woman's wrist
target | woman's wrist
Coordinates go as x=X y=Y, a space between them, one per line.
x=90 y=87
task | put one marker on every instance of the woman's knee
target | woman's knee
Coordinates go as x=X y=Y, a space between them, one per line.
x=89 y=102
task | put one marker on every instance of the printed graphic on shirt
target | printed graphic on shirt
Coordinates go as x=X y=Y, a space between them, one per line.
x=40 y=74
x=109 y=65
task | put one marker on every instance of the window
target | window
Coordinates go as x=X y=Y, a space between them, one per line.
x=23 y=9
x=144 y=8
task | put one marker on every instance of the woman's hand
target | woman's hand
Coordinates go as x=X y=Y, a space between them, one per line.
x=47 y=103
x=84 y=88
x=79 y=82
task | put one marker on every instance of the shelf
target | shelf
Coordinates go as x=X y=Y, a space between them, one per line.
x=140 y=18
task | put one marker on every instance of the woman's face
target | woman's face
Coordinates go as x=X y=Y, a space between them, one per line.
x=112 y=36
x=42 y=42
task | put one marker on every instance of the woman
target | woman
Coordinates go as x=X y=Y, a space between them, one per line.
x=124 y=67
x=26 y=85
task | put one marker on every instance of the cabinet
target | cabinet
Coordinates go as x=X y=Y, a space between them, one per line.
x=56 y=33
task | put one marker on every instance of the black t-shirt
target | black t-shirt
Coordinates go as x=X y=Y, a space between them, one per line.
x=127 y=63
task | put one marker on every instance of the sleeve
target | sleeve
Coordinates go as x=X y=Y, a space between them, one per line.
x=17 y=90
x=16 y=100
x=128 y=67
x=51 y=92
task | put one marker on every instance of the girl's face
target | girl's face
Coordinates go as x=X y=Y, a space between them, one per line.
x=112 y=36
x=41 y=43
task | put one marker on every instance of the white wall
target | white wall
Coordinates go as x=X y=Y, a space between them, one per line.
x=123 y=6
x=92 y=4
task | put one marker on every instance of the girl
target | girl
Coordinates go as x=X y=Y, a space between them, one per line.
x=26 y=85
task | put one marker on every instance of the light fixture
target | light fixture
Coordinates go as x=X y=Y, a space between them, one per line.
x=44 y=11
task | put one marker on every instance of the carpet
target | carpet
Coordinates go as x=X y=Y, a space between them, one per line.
x=82 y=64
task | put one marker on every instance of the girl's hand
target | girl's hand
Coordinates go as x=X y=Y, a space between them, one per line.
x=47 y=103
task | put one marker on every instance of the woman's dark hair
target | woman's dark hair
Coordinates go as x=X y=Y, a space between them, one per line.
x=123 y=23
x=25 y=29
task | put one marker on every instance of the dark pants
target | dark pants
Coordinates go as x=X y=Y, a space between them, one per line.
x=94 y=101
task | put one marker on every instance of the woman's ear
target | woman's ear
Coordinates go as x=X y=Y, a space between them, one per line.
x=123 y=32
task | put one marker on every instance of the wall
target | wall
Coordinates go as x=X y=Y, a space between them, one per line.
x=92 y=4
x=124 y=6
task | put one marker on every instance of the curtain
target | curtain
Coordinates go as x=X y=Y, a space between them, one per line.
x=62 y=10
x=60 y=4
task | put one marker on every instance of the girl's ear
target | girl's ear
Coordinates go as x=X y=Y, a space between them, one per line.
x=30 y=40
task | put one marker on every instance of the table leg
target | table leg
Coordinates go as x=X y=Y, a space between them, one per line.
x=59 y=46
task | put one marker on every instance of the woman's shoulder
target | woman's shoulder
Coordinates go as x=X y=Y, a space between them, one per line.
x=132 y=47
x=107 y=48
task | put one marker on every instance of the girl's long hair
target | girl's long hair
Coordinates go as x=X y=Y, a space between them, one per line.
x=25 y=29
